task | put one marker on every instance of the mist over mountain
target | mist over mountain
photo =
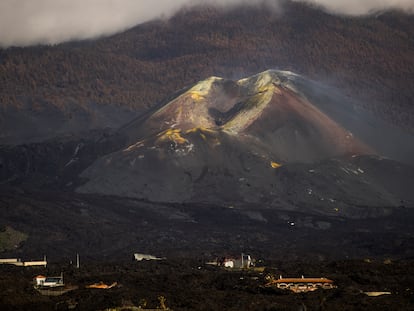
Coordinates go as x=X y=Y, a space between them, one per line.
x=355 y=7
x=25 y=22
x=109 y=81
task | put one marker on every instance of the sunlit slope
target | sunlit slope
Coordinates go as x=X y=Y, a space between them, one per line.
x=245 y=142
x=266 y=107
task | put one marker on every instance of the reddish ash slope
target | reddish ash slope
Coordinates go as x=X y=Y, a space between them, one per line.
x=298 y=131
x=265 y=108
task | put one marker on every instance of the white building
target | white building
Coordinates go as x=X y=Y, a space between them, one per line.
x=141 y=257
x=40 y=280
x=243 y=262
x=54 y=281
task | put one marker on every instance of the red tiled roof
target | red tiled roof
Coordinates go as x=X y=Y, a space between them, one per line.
x=302 y=280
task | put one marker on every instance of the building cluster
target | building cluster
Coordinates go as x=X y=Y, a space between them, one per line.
x=244 y=261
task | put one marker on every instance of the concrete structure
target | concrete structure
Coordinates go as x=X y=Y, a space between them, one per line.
x=245 y=261
x=35 y=263
x=11 y=261
x=18 y=262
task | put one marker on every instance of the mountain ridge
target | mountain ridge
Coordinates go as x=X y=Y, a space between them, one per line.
x=369 y=57
x=186 y=151
x=317 y=156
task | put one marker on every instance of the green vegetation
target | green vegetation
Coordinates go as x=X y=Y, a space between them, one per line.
x=10 y=238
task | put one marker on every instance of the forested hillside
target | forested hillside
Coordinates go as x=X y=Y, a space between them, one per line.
x=371 y=58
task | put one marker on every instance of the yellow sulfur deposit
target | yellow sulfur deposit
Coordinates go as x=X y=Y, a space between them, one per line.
x=201 y=130
x=196 y=96
x=275 y=164
x=172 y=135
x=208 y=135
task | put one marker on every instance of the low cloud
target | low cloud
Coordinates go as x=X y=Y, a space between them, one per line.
x=360 y=7
x=28 y=22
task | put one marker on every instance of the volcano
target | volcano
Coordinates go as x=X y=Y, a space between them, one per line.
x=261 y=140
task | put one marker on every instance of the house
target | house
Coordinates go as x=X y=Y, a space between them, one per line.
x=50 y=282
x=300 y=285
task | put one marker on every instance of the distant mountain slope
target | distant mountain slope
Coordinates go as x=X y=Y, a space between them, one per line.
x=257 y=140
x=370 y=57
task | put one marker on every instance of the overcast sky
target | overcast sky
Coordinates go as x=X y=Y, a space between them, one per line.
x=26 y=22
